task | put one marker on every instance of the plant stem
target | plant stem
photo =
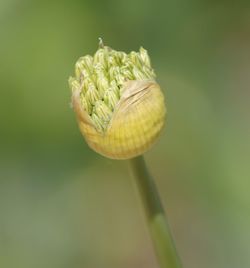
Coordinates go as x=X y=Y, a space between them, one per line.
x=157 y=223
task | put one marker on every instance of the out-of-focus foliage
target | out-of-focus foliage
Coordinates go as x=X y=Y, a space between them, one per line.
x=61 y=204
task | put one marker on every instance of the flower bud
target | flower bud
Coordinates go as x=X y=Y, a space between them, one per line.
x=119 y=106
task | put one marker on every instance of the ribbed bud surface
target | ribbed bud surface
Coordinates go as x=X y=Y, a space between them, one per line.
x=119 y=106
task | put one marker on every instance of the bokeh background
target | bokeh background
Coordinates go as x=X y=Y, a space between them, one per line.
x=62 y=205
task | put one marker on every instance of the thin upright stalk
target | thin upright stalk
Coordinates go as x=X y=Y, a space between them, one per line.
x=157 y=223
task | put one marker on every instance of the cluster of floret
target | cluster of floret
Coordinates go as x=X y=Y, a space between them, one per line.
x=101 y=78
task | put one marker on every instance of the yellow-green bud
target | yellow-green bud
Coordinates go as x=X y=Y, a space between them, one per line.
x=111 y=98
x=85 y=104
x=119 y=106
x=92 y=95
x=103 y=112
x=144 y=56
x=74 y=84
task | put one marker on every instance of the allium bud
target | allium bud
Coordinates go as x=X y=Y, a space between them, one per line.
x=119 y=106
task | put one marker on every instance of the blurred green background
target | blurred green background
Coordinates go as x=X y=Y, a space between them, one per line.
x=62 y=205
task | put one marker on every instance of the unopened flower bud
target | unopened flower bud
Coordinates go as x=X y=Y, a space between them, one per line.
x=85 y=104
x=102 y=111
x=111 y=98
x=120 y=108
x=144 y=56
x=92 y=94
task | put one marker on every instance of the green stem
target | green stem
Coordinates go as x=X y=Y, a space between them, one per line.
x=158 y=226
